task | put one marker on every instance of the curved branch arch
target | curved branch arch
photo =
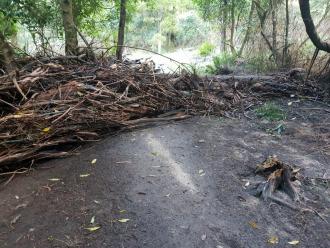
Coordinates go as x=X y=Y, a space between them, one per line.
x=310 y=27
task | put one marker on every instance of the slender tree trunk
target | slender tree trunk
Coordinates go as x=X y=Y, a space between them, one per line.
x=248 y=30
x=232 y=27
x=224 y=27
x=274 y=33
x=286 y=37
x=121 y=30
x=159 y=41
x=71 y=39
x=6 y=54
x=310 y=27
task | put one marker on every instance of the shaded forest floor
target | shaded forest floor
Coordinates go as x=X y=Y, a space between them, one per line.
x=181 y=184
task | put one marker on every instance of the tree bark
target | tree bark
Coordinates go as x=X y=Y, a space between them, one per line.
x=6 y=54
x=263 y=14
x=310 y=27
x=223 y=27
x=286 y=37
x=232 y=27
x=325 y=14
x=121 y=30
x=274 y=33
x=248 y=30
x=71 y=39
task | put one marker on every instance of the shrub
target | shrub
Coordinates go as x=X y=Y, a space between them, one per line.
x=206 y=49
x=260 y=63
x=221 y=63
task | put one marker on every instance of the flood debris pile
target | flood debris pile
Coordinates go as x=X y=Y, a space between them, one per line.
x=60 y=103
x=50 y=105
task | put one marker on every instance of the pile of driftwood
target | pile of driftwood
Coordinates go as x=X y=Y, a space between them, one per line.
x=50 y=105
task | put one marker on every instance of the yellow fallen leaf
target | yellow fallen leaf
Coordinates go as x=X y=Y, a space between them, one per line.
x=93 y=229
x=46 y=129
x=84 y=175
x=273 y=240
x=123 y=220
x=94 y=161
x=19 y=113
x=54 y=179
x=293 y=242
x=253 y=224
x=122 y=211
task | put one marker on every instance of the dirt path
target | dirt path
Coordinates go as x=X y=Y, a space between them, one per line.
x=178 y=185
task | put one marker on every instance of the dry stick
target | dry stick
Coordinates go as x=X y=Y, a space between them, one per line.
x=85 y=41
x=312 y=63
x=18 y=88
x=9 y=104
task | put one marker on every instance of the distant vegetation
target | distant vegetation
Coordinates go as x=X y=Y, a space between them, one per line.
x=265 y=34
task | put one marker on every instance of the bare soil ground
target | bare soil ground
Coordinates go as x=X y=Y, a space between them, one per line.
x=183 y=184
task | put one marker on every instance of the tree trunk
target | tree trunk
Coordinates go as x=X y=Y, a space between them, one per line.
x=232 y=27
x=224 y=28
x=248 y=30
x=286 y=37
x=121 y=30
x=262 y=14
x=310 y=27
x=71 y=39
x=324 y=16
x=274 y=33
x=6 y=54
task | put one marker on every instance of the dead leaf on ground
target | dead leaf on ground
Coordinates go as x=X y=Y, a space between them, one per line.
x=84 y=175
x=54 y=179
x=94 y=161
x=123 y=220
x=93 y=229
x=16 y=218
x=294 y=242
x=201 y=173
x=273 y=240
x=253 y=224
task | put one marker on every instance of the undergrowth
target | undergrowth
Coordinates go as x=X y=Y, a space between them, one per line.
x=221 y=63
x=271 y=112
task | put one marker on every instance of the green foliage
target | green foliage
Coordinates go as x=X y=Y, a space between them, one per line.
x=192 y=30
x=206 y=49
x=271 y=112
x=170 y=23
x=260 y=63
x=221 y=62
